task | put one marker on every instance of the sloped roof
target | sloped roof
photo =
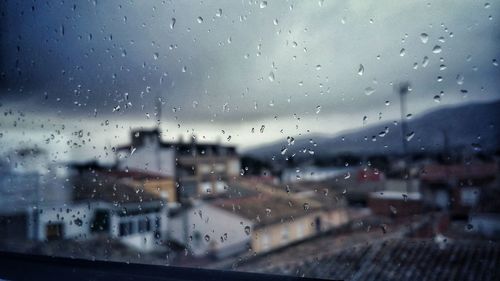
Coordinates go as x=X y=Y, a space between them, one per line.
x=403 y=259
x=265 y=209
x=102 y=187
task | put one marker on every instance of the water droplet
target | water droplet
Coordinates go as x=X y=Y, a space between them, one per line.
x=437 y=98
x=318 y=66
x=424 y=37
x=436 y=49
x=402 y=52
x=263 y=4
x=207 y=238
x=476 y=146
x=172 y=23
x=369 y=91
x=306 y=206
x=184 y=69
x=156 y=56
x=199 y=19
x=425 y=61
x=283 y=150
x=268 y=212
x=393 y=209
x=495 y=62
x=460 y=79
x=247 y=230
x=262 y=128
x=347 y=175
x=361 y=70
x=318 y=109
x=384 y=228
x=218 y=13
x=486 y=5
x=271 y=76
x=410 y=136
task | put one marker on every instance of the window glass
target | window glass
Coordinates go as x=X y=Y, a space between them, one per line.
x=329 y=139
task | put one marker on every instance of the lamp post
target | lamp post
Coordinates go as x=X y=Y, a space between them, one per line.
x=402 y=90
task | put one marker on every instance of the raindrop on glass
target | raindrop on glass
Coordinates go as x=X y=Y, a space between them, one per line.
x=436 y=49
x=306 y=206
x=424 y=37
x=271 y=76
x=425 y=61
x=361 y=70
x=410 y=136
x=369 y=91
x=318 y=109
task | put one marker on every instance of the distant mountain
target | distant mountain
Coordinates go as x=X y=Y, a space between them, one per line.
x=466 y=127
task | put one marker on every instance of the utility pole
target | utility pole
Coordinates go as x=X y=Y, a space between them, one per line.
x=402 y=89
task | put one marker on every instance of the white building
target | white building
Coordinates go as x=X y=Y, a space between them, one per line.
x=315 y=174
x=208 y=230
x=147 y=153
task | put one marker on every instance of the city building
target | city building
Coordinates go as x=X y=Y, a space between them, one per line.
x=456 y=187
x=395 y=204
x=199 y=169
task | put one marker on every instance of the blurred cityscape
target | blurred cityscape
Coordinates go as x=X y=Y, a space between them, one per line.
x=200 y=204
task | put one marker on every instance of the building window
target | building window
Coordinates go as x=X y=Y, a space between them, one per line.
x=144 y=225
x=126 y=228
x=54 y=231
x=469 y=196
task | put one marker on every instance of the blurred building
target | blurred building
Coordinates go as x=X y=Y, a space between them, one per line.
x=395 y=204
x=254 y=218
x=457 y=187
x=117 y=207
x=314 y=174
x=28 y=180
x=199 y=168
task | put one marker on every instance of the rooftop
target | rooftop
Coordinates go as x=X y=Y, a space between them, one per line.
x=265 y=209
x=102 y=187
x=403 y=259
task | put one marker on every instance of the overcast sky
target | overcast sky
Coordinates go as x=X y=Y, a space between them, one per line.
x=222 y=68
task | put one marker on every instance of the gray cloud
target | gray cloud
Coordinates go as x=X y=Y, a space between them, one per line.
x=79 y=59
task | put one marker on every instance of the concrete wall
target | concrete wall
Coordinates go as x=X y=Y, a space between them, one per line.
x=149 y=158
x=75 y=220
